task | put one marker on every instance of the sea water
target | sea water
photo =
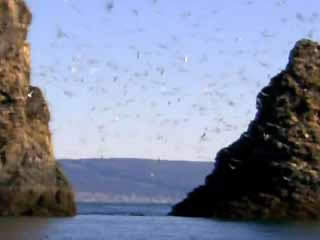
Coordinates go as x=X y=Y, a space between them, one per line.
x=147 y=222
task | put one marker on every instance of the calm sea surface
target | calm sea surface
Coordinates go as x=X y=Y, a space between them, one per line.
x=149 y=222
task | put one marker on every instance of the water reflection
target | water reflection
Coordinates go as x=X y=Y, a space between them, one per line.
x=100 y=227
x=27 y=228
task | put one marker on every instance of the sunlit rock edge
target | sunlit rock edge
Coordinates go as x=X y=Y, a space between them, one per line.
x=31 y=182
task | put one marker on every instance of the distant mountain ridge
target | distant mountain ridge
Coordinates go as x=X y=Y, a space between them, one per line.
x=133 y=180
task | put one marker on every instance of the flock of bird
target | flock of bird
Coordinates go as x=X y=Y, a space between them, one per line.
x=163 y=86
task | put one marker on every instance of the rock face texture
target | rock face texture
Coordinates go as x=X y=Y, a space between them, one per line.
x=272 y=172
x=31 y=182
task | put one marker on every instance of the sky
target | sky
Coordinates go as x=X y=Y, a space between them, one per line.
x=159 y=79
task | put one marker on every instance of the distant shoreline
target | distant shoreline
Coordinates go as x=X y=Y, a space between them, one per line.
x=131 y=180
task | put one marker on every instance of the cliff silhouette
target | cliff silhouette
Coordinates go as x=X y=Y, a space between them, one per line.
x=272 y=171
x=31 y=182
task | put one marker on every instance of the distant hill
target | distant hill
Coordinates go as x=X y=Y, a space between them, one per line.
x=134 y=180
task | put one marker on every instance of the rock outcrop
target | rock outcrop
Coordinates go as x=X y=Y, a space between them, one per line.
x=31 y=182
x=272 y=172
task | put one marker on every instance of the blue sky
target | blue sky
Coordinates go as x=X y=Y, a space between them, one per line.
x=158 y=78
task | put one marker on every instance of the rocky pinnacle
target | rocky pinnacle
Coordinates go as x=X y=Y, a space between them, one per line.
x=272 y=171
x=31 y=182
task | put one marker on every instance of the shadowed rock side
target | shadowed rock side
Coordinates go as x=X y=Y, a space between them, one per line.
x=31 y=182
x=272 y=171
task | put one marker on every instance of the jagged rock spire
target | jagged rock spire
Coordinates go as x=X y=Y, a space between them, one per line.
x=31 y=182
x=273 y=170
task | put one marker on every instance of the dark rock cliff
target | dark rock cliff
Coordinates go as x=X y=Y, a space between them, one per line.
x=273 y=170
x=31 y=182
